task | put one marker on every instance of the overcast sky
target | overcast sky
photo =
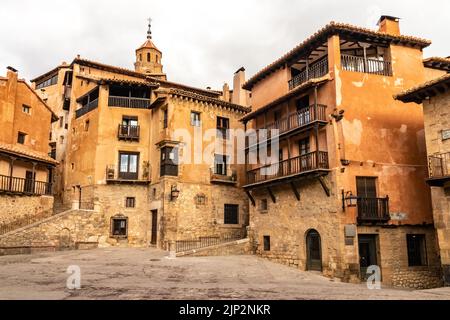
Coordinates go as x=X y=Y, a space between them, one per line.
x=203 y=41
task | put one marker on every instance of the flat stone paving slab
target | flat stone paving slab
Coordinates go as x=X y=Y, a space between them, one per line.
x=123 y=273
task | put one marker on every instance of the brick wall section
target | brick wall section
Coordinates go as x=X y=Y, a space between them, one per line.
x=17 y=207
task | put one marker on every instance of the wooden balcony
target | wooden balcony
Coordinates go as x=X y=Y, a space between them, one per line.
x=316 y=70
x=23 y=186
x=130 y=133
x=113 y=175
x=128 y=102
x=372 y=66
x=302 y=119
x=439 y=169
x=373 y=210
x=309 y=163
x=86 y=108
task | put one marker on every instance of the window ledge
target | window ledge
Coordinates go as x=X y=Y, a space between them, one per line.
x=231 y=226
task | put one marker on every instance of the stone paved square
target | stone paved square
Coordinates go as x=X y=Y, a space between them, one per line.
x=124 y=273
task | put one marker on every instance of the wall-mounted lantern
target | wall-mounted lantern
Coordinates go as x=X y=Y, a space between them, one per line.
x=348 y=199
x=174 y=193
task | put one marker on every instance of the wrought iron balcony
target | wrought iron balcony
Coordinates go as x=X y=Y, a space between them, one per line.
x=308 y=163
x=372 y=66
x=439 y=169
x=373 y=210
x=115 y=175
x=23 y=186
x=129 y=102
x=127 y=132
x=314 y=71
x=228 y=178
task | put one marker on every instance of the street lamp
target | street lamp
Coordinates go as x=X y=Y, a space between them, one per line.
x=348 y=199
x=174 y=193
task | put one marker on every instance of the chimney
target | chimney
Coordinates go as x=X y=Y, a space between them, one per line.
x=226 y=92
x=11 y=73
x=239 y=94
x=389 y=25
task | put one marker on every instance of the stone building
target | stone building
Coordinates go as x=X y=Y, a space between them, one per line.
x=25 y=166
x=346 y=189
x=121 y=151
x=435 y=97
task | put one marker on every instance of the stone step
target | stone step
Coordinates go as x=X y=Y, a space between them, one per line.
x=236 y=247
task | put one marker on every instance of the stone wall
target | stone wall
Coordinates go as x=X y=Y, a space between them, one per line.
x=63 y=231
x=240 y=247
x=288 y=220
x=393 y=254
x=14 y=208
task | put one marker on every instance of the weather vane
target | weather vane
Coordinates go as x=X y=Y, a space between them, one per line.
x=149 y=32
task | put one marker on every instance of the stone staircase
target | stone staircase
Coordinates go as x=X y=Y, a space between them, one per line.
x=226 y=248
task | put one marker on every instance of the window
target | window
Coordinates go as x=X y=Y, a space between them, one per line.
x=148 y=57
x=231 y=214
x=169 y=162
x=366 y=187
x=277 y=115
x=131 y=121
x=21 y=137
x=26 y=109
x=86 y=125
x=165 y=118
x=195 y=119
x=417 y=254
x=266 y=243
x=130 y=202
x=128 y=165
x=263 y=205
x=48 y=82
x=304 y=146
x=61 y=122
x=72 y=166
x=119 y=227
x=220 y=164
x=140 y=56
x=223 y=126
x=61 y=139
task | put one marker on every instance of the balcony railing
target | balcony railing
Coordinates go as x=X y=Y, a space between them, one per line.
x=373 y=210
x=314 y=71
x=372 y=66
x=24 y=186
x=216 y=177
x=127 y=102
x=86 y=108
x=439 y=166
x=126 y=132
x=114 y=175
x=317 y=160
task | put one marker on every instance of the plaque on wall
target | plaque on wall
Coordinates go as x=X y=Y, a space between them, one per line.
x=446 y=134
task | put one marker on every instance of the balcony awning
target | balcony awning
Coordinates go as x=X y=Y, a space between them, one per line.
x=25 y=153
x=301 y=88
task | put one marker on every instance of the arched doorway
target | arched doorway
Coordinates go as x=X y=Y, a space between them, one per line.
x=313 y=251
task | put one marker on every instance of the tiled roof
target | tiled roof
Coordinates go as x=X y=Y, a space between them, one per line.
x=437 y=63
x=148 y=45
x=54 y=115
x=277 y=101
x=24 y=152
x=151 y=82
x=48 y=73
x=322 y=34
x=222 y=103
x=420 y=92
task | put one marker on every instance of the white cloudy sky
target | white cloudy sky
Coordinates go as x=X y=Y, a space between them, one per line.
x=203 y=41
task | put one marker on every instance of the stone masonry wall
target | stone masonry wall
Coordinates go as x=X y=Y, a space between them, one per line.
x=65 y=230
x=393 y=255
x=240 y=247
x=17 y=207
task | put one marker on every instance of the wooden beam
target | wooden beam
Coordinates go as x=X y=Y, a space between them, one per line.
x=295 y=190
x=324 y=186
x=250 y=196
x=272 y=196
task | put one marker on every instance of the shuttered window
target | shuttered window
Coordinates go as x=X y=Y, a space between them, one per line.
x=366 y=187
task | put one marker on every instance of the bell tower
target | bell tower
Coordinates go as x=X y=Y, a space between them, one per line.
x=148 y=57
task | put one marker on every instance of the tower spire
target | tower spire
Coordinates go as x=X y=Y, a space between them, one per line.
x=149 y=31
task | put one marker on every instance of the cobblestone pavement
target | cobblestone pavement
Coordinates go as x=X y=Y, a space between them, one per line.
x=121 y=273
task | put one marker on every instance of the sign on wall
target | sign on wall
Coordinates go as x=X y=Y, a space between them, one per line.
x=446 y=134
